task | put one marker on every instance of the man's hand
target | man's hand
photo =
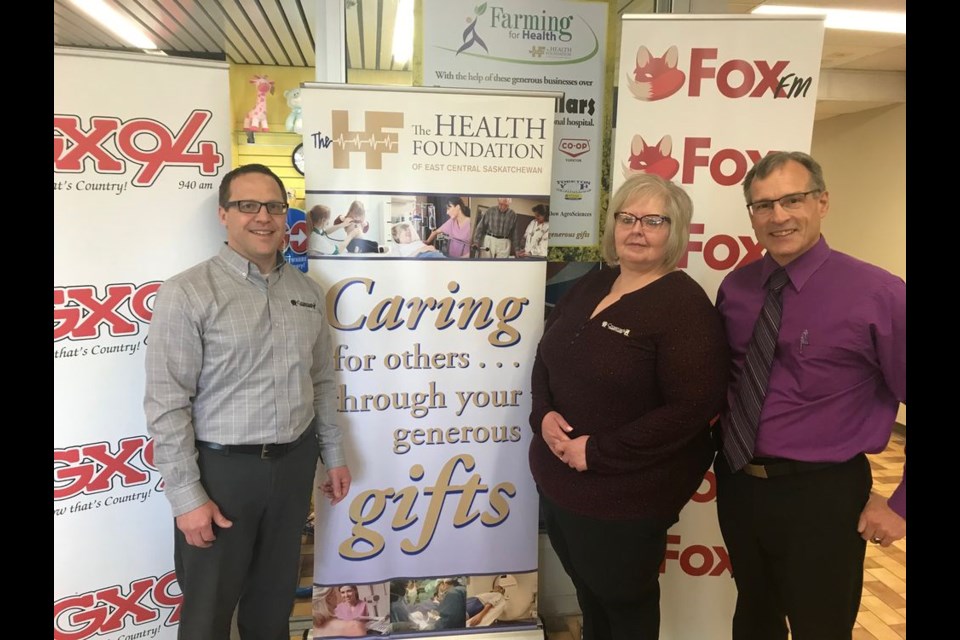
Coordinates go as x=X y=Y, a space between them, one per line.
x=879 y=523
x=574 y=453
x=337 y=484
x=197 y=525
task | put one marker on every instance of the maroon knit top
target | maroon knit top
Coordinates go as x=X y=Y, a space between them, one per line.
x=643 y=378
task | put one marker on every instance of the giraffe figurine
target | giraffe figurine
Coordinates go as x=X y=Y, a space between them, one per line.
x=256 y=119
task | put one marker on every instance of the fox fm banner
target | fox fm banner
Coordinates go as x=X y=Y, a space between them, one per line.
x=701 y=100
x=433 y=360
x=531 y=44
x=135 y=195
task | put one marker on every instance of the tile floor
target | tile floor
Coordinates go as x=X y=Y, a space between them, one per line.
x=883 y=609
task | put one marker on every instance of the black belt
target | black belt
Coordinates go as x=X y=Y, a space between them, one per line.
x=492 y=235
x=262 y=450
x=774 y=467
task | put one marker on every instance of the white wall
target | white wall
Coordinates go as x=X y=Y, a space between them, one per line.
x=863 y=156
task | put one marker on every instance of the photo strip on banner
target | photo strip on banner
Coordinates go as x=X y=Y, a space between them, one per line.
x=428 y=226
x=412 y=194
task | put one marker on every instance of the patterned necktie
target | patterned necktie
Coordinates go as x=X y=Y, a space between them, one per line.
x=741 y=433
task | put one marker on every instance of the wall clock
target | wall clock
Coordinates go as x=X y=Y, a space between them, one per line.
x=297 y=158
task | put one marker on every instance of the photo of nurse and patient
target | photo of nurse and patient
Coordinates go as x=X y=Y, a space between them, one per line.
x=341 y=235
x=349 y=611
x=461 y=602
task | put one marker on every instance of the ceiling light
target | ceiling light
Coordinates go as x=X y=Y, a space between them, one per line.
x=403 y=32
x=883 y=21
x=120 y=26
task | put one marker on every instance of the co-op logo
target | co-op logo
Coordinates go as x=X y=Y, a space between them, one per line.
x=79 y=313
x=574 y=147
x=109 y=142
x=726 y=167
x=573 y=189
x=659 y=77
x=372 y=141
x=97 y=467
x=109 y=609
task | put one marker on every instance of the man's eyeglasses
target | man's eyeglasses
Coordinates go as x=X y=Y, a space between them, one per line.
x=253 y=206
x=789 y=202
x=649 y=221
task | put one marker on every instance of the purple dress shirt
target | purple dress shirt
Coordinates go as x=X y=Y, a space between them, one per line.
x=839 y=371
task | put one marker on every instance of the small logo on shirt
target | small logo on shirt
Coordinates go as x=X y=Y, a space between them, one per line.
x=615 y=328
x=301 y=303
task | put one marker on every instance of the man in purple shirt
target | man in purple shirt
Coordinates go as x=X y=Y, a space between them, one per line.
x=796 y=518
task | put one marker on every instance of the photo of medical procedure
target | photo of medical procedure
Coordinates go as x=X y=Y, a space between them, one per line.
x=407 y=606
x=447 y=226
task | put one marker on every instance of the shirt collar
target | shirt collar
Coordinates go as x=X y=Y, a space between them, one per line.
x=800 y=269
x=244 y=267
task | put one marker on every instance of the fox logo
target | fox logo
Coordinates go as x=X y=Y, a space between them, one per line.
x=656 y=78
x=645 y=158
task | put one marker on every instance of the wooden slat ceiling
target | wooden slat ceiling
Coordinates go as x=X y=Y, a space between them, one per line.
x=268 y=32
x=281 y=32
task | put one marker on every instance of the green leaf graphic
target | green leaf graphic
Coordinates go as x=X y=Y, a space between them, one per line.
x=481 y=9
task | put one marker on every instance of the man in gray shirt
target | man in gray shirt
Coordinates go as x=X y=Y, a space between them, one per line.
x=240 y=401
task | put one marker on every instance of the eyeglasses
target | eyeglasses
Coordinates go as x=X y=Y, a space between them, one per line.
x=649 y=221
x=253 y=206
x=789 y=202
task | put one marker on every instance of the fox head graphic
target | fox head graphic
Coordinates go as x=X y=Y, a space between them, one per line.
x=654 y=159
x=655 y=78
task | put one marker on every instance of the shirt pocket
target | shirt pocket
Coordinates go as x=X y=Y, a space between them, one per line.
x=824 y=370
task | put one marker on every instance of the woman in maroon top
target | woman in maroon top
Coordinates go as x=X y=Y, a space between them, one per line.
x=631 y=369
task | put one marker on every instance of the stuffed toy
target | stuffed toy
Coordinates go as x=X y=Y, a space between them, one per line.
x=295 y=118
x=256 y=119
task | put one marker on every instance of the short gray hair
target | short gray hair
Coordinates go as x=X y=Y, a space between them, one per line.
x=677 y=206
x=773 y=161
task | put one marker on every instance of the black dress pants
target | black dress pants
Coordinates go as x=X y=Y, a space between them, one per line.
x=615 y=567
x=252 y=566
x=794 y=548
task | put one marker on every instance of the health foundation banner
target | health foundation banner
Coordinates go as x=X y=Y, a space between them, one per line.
x=433 y=359
x=701 y=99
x=530 y=44
x=136 y=173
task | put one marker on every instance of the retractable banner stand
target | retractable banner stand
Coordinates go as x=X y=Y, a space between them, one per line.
x=534 y=45
x=701 y=100
x=433 y=355
x=139 y=145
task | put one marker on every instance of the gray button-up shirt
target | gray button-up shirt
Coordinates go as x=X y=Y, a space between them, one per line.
x=236 y=358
